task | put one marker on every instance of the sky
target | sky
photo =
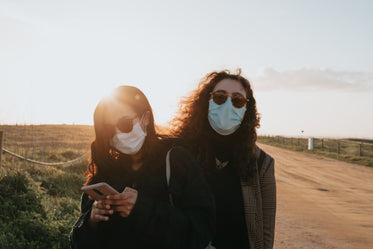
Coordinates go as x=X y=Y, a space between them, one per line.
x=310 y=63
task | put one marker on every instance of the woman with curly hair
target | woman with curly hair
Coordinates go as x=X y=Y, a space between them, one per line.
x=218 y=124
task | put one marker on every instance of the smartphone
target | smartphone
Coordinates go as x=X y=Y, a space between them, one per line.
x=99 y=191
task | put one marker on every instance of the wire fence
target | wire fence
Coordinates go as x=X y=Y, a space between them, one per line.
x=45 y=163
x=360 y=148
x=49 y=145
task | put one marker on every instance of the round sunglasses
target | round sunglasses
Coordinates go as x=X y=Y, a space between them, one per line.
x=124 y=124
x=220 y=97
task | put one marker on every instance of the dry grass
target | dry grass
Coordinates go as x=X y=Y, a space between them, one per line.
x=48 y=143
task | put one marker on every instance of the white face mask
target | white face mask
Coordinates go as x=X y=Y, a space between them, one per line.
x=129 y=143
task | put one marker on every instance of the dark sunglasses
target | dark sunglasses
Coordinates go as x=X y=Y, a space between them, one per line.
x=124 y=124
x=220 y=97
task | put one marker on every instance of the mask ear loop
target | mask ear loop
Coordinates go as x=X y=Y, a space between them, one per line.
x=142 y=117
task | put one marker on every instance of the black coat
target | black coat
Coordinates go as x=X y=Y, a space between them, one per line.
x=153 y=222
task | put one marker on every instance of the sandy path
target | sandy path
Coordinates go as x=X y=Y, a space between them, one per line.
x=321 y=202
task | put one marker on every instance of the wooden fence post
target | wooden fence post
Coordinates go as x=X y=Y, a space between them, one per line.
x=1 y=146
x=339 y=147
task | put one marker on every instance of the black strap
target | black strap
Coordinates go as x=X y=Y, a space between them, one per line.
x=168 y=176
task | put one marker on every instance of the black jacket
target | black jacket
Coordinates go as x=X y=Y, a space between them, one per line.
x=153 y=222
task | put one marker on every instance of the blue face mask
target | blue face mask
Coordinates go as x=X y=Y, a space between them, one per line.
x=225 y=119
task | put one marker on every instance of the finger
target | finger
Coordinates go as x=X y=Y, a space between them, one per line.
x=122 y=196
x=119 y=202
x=129 y=190
x=104 y=211
x=103 y=205
x=124 y=214
x=121 y=209
x=99 y=217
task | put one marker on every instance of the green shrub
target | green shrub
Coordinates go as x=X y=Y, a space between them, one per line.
x=63 y=184
x=40 y=204
x=30 y=218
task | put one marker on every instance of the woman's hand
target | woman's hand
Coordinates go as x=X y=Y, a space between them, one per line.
x=124 y=202
x=100 y=211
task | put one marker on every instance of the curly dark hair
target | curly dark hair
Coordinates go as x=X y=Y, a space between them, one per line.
x=106 y=162
x=191 y=124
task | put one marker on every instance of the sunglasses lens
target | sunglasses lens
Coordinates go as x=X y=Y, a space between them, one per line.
x=238 y=101
x=125 y=125
x=219 y=98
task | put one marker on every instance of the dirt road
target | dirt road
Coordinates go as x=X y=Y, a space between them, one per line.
x=321 y=202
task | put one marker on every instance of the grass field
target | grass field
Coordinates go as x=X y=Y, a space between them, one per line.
x=39 y=204
x=49 y=143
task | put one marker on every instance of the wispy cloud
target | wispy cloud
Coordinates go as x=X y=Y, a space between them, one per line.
x=306 y=79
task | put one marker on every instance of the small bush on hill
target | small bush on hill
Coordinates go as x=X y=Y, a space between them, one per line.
x=30 y=217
